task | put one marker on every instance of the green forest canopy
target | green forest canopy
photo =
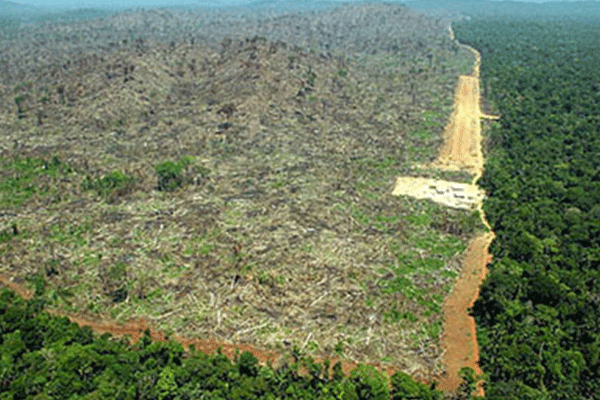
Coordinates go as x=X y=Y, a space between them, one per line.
x=538 y=312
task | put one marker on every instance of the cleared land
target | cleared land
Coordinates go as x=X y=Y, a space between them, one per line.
x=450 y=194
x=237 y=188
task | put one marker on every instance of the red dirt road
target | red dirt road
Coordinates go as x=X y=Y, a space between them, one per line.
x=460 y=335
x=462 y=150
x=135 y=330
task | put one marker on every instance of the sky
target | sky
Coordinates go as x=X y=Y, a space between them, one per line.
x=127 y=3
x=70 y=4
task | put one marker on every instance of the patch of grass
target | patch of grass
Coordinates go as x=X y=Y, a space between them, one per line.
x=383 y=163
x=198 y=246
x=433 y=118
x=111 y=186
x=433 y=330
x=394 y=315
x=173 y=175
x=311 y=76
x=422 y=219
x=418 y=272
x=457 y=223
x=23 y=177
x=9 y=234
x=424 y=135
x=75 y=235
x=278 y=183
x=342 y=73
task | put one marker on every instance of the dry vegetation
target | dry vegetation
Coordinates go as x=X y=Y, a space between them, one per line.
x=230 y=177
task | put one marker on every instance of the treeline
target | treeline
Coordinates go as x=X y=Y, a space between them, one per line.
x=562 y=10
x=538 y=314
x=48 y=357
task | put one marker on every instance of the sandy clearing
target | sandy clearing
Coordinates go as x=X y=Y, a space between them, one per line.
x=451 y=194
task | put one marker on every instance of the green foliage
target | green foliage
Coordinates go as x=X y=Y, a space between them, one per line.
x=468 y=387
x=166 y=388
x=405 y=388
x=539 y=310
x=248 y=364
x=311 y=76
x=23 y=177
x=116 y=282
x=111 y=186
x=342 y=73
x=369 y=383
x=171 y=175
x=10 y=233
x=19 y=99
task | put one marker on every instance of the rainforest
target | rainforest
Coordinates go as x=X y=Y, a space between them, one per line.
x=538 y=311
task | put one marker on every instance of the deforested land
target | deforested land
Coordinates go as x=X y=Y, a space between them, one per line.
x=227 y=174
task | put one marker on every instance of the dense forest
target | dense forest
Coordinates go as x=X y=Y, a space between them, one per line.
x=538 y=313
x=484 y=9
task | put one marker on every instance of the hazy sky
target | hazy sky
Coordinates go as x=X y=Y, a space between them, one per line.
x=128 y=3
x=142 y=3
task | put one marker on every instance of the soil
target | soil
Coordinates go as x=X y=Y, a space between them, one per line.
x=460 y=339
x=462 y=137
x=450 y=194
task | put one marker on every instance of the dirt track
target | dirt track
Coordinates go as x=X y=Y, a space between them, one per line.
x=462 y=141
x=463 y=150
x=462 y=136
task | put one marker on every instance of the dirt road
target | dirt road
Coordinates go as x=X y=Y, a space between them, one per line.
x=135 y=330
x=462 y=136
x=462 y=149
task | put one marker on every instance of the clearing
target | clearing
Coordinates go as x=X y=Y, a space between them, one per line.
x=236 y=188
